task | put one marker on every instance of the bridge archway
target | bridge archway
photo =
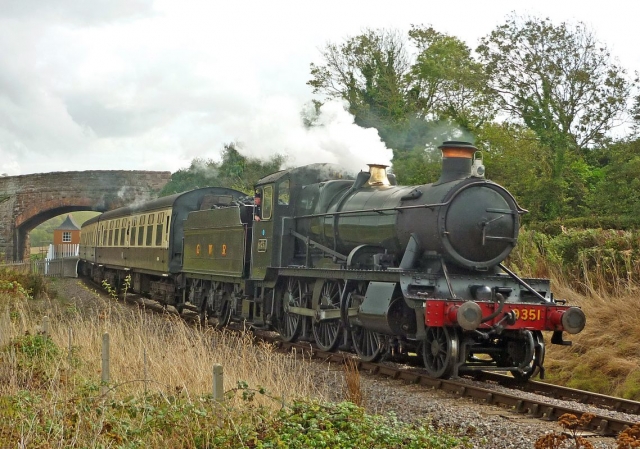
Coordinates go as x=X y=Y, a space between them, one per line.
x=29 y=200
x=22 y=232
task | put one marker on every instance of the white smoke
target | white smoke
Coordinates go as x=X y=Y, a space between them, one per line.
x=277 y=128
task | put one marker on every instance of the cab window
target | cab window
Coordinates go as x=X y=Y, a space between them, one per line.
x=283 y=193
x=267 y=202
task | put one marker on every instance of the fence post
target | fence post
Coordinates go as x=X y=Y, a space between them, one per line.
x=70 y=348
x=105 y=362
x=145 y=372
x=218 y=387
x=45 y=326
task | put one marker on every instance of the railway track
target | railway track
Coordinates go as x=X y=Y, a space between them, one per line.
x=564 y=393
x=542 y=408
x=480 y=387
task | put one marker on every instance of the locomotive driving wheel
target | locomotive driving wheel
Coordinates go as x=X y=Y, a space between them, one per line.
x=369 y=345
x=327 y=332
x=440 y=350
x=291 y=323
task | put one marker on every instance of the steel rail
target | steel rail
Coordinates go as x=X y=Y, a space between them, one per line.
x=565 y=393
x=536 y=408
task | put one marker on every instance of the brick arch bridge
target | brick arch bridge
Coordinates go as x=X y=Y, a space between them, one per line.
x=28 y=200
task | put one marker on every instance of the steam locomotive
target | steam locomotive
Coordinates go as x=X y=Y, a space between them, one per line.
x=350 y=262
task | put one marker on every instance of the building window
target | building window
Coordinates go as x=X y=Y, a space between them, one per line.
x=66 y=237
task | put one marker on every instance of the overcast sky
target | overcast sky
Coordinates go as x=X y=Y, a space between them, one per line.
x=152 y=84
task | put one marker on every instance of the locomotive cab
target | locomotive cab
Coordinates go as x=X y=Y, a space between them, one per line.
x=269 y=242
x=288 y=197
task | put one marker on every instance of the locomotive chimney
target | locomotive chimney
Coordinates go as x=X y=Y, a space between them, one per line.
x=378 y=175
x=457 y=158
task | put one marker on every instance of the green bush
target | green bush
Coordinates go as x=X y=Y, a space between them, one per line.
x=26 y=283
x=589 y=259
x=345 y=425
x=179 y=421
x=555 y=227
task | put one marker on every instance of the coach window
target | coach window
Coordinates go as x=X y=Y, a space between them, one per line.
x=149 y=234
x=132 y=232
x=123 y=231
x=110 y=241
x=267 y=202
x=116 y=233
x=283 y=193
x=141 y=232
x=159 y=229
x=167 y=227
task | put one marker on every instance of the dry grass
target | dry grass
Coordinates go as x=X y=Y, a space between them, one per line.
x=599 y=271
x=353 y=392
x=161 y=379
x=179 y=357
x=605 y=356
x=51 y=397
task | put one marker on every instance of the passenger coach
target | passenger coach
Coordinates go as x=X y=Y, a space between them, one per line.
x=145 y=241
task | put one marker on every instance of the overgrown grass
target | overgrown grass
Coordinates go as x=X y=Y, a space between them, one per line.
x=160 y=388
x=590 y=261
x=598 y=270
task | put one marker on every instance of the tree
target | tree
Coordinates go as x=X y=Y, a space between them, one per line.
x=200 y=173
x=449 y=82
x=515 y=159
x=372 y=73
x=242 y=173
x=558 y=80
x=563 y=85
x=617 y=192
x=416 y=100
x=234 y=171
x=635 y=113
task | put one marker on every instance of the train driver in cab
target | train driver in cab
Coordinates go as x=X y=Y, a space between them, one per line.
x=257 y=213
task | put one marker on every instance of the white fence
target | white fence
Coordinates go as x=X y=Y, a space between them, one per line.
x=63 y=251
x=61 y=261
x=67 y=267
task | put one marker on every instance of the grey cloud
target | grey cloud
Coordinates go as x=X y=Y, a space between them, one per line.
x=81 y=12
x=109 y=121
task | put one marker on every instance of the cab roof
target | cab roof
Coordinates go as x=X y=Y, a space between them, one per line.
x=309 y=174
